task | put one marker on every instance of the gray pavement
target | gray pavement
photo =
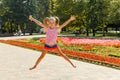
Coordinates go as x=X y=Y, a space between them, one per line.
x=15 y=62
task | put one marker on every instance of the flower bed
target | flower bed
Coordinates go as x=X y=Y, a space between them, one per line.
x=84 y=41
x=104 y=47
x=88 y=45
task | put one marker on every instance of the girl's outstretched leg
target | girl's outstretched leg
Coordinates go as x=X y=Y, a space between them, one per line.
x=64 y=56
x=39 y=60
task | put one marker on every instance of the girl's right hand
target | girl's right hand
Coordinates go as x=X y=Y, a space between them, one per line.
x=31 y=18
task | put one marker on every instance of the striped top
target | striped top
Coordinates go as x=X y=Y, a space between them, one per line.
x=51 y=36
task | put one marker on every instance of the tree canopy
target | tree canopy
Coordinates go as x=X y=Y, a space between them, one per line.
x=90 y=14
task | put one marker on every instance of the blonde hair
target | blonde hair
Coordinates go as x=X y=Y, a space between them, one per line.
x=45 y=21
x=57 y=20
x=57 y=23
x=52 y=18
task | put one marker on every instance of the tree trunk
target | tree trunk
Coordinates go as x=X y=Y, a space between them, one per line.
x=24 y=32
x=94 y=32
x=103 y=32
x=87 y=32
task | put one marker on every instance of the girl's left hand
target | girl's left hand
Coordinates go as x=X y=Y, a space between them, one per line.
x=30 y=17
x=72 y=17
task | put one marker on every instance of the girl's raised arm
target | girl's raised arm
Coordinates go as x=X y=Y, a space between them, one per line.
x=67 y=22
x=36 y=21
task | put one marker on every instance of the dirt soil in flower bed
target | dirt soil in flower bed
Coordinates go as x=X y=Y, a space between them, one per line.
x=98 y=51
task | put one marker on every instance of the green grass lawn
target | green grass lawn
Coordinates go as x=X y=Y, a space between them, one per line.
x=98 y=34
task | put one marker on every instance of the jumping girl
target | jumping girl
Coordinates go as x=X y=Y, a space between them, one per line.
x=51 y=27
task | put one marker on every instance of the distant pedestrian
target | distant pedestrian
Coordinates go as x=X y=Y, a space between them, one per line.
x=19 y=32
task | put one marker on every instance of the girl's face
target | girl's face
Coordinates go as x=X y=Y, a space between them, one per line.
x=51 y=23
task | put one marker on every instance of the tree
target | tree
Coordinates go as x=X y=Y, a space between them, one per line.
x=114 y=14
x=17 y=13
x=65 y=8
x=97 y=14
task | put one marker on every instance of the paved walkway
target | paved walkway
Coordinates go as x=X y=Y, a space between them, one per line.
x=15 y=63
x=16 y=37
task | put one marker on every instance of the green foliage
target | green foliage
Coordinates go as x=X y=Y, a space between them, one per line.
x=114 y=12
x=90 y=14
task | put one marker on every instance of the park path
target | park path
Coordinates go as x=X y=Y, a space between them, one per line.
x=15 y=62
